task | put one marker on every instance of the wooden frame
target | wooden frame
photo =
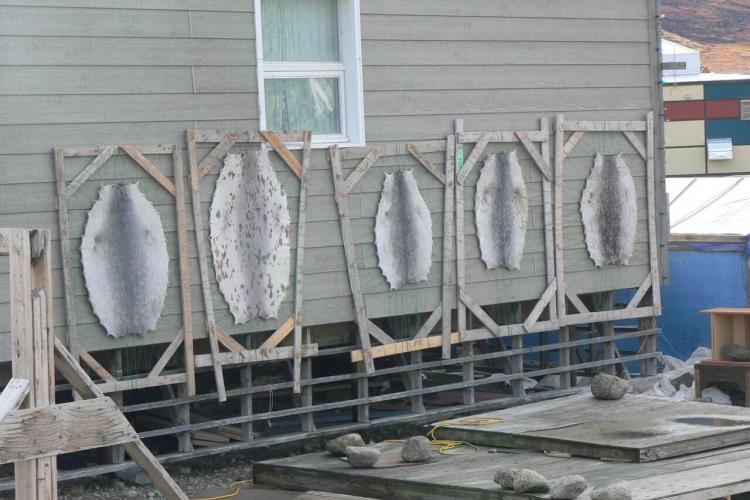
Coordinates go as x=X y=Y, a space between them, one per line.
x=342 y=187
x=175 y=187
x=650 y=284
x=225 y=140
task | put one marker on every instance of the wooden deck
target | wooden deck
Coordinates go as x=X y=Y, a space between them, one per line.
x=700 y=476
x=634 y=429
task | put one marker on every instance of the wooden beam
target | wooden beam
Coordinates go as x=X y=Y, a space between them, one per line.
x=378 y=333
x=604 y=126
x=405 y=346
x=543 y=301
x=476 y=153
x=216 y=154
x=361 y=169
x=430 y=322
x=549 y=230
x=167 y=355
x=274 y=140
x=13 y=394
x=640 y=293
x=425 y=162
x=150 y=168
x=480 y=313
x=227 y=340
x=449 y=240
x=64 y=230
x=299 y=265
x=577 y=302
x=558 y=213
x=505 y=137
x=256 y=355
x=637 y=144
x=280 y=334
x=652 y=215
x=154 y=470
x=540 y=162
x=63 y=428
x=69 y=368
x=102 y=372
x=142 y=383
x=572 y=141
x=104 y=155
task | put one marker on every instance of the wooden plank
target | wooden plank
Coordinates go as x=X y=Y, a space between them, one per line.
x=605 y=126
x=640 y=293
x=476 y=153
x=149 y=167
x=577 y=302
x=637 y=144
x=477 y=310
x=227 y=340
x=430 y=322
x=405 y=346
x=448 y=242
x=167 y=355
x=255 y=355
x=342 y=204
x=299 y=265
x=467 y=368
x=558 y=213
x=142 y=383
x=653 y=245
x=425 y=162
x=361 y=169
x=572 y=142
x=69 y=368
x=184 y=258
x=378 y=333
x=547 y=201
x=63 y=428
x=64 y=233
x=102 y=372
x=154 y=470
x=280 y=334
x=540 y=162
x=216 y=154
x=286 y=155
x=505 y=137
x=533 y=316
x=13 y=394
x=195 y=178
x=91 y=168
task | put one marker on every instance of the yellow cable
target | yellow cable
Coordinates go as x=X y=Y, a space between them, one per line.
x=229 y=495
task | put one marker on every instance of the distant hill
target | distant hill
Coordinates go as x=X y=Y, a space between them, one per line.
x=720 y=29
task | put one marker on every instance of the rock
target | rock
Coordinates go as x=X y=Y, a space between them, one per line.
x=568 y=487
x=736 y=352
x=608 y=387
x=417 y=449
x=362 y=456
x=529 y=481
x=338 y=446
x=133 y=476
x=505 y=477
x=619 y=490
x=131 y=493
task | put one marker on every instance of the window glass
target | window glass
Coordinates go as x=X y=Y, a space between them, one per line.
x=300 y=30
x=303 y=104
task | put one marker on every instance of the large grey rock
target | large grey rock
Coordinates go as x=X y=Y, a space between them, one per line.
x=416 y=449
x=619 y=490
x=608 y=387
x=568 y=487
x=504 y=477
x=338 y=446
x=362 y=456
x=529 y=481
x=736 y=352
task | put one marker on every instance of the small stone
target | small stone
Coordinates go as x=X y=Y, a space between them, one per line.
x=118 y=484
x=417 y=449
x=619 y=490
x=338 y=446
x=362 y=456
x=529 y=481
x=608 y=387
x=131 y=493
x=736 y=352
x=568 y=487
x=505 y=477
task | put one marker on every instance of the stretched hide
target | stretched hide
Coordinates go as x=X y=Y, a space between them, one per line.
x=403 y=231
x=250 y=227
x=501 y=209
x=609 y=212
x=125 y=261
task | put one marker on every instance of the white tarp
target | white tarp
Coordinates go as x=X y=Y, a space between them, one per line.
x=709 y=205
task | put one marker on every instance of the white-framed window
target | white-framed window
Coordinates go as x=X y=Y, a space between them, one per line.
x=309 y=63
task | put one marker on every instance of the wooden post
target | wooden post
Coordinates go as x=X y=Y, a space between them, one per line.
x=308 y=419
x=32 y=347
x=246 y=400
x=648 y=366
x=115 y=454
x=608 y=330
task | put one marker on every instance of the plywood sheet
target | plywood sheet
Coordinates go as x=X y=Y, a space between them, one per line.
x=686 y=161
x=125 y=260
x=250 y=236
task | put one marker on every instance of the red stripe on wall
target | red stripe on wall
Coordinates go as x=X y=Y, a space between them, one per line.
x=723 y=108
x=684 y=110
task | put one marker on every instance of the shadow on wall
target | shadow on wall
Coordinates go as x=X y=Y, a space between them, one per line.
x=702 y=275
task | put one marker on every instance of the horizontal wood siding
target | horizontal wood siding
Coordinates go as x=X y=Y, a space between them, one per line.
x=96 y=72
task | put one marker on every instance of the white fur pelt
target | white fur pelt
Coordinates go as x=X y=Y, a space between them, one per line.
x=125 y=261
x=403 y=231
x=250 y=236
x=501 y=210
x=609 y=212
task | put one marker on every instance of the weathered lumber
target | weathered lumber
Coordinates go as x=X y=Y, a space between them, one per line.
x=13 y=394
